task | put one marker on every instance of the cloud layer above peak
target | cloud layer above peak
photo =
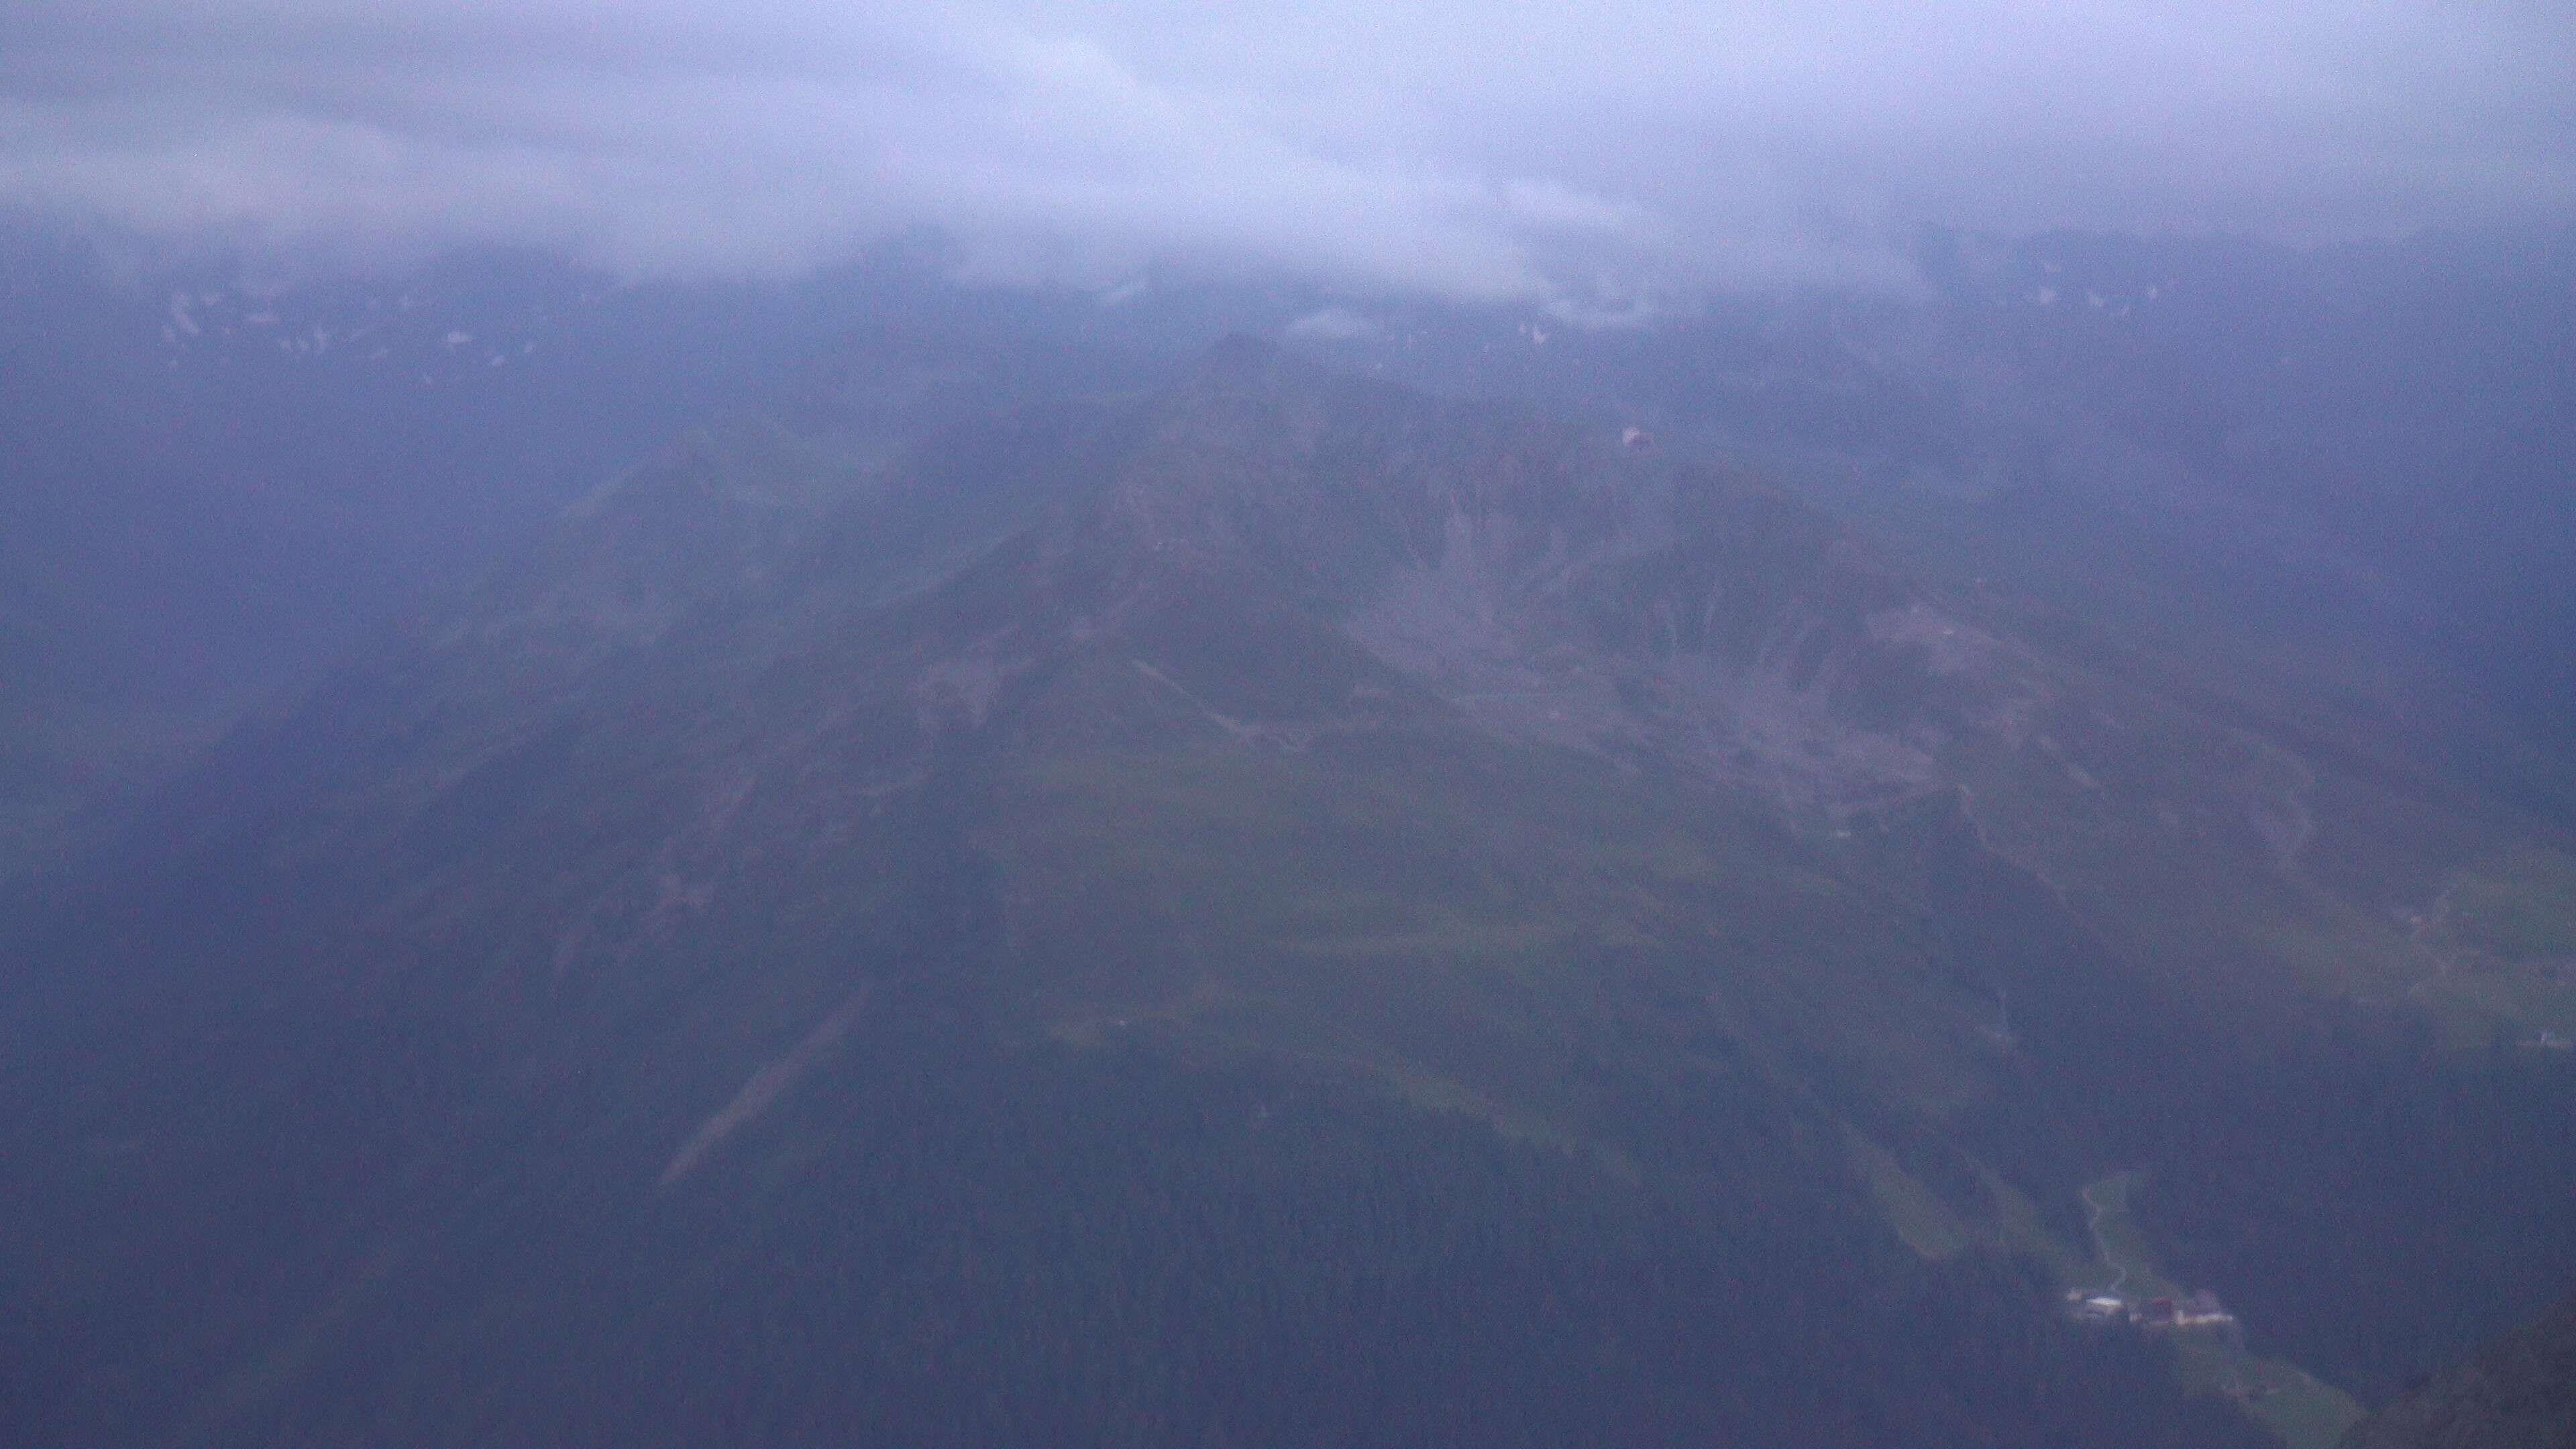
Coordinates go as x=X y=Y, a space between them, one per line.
x=1592 y=155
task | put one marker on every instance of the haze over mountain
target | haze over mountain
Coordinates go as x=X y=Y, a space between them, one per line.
x=1377 y=727
x=2347 y=455
x=1311 y=746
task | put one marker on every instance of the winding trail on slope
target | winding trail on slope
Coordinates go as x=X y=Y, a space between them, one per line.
x=2093 y=1225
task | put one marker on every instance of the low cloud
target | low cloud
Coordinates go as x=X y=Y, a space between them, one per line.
x=1594 y=157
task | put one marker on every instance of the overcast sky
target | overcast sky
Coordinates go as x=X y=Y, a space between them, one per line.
x=1585 y=153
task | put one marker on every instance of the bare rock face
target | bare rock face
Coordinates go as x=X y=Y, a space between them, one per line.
x=2518 y=1394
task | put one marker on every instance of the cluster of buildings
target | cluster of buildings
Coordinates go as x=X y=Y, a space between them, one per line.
x=2200 y=1310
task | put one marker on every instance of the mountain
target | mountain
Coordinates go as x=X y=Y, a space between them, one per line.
x=2518 y=1393
x=210 y=487
x=2342 y=466
x=214 y=483
x=2343 y=469
x=1269 y=907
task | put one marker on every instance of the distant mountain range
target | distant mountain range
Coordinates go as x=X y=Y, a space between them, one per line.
x=2350 y=461
x=1025 y=887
